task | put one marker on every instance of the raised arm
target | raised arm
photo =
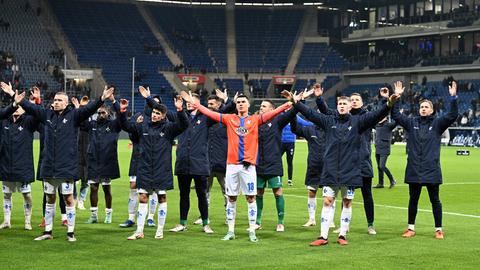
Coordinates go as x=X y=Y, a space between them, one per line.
x=284 y=118
x=315 y=117
x=449 y=118
x=370 y=119
x=36 y=111
x=205 y=111
x=397 y=116
x=265 y=117
x=83 y=113
x=181 y=119
x=131 y=127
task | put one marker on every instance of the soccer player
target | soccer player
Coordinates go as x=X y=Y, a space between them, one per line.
x=341 y=169
x=192 y=163
x=365 y=152
x=132 y=171
x=315 y=137
x=383 y=141
x=423 y=162
x=60 y=162
x=269 y=165
x=154 y=172
x=242 y=133
x=102 y=159
x=217 y=144
x=16 y=157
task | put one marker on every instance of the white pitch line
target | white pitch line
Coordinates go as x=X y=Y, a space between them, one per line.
x=406 y=185
x=399 y=207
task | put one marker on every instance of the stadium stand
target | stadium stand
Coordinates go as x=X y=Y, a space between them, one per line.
x=108 y=35
x=265 y=38
x=29 y=55
x=319 y=57
x=197 y=34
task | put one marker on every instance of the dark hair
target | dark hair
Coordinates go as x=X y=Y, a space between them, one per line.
x=242 y=96
x=160 y=107
x=157 y=97
x=214 y=97
x=270 y=101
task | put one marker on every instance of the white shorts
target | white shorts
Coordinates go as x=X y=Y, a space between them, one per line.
x=238 y=177
x=151 y=191
x=12 y=187
x=347 y=192
x=313 y=187
x=51 y=185
x=104 y=182
x=133 y=179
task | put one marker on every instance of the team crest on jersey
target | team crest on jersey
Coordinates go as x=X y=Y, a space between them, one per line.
x=349 y=128
x=162 y=134
x=269 y=124
x=64 y=121
x=107 y=129
x=241 y=131
x=20 y=128
x=249 y=122
x=198 y=122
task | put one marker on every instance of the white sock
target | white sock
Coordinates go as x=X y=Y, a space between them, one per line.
x=70 y=218
x=94 y=213
x=142 y=214
x=64 y=217
x=153 y=201
x=345 y=220
x=108 y=210
x=231 y=213
x=438 y=229
x=332 y=224
x=132 y=204
x=27 y=208
x=411 y=227
x=326 y=219
x=7 y=210
x=312 y=207
x=162 y=215
x=49 y=215
x=252 y=215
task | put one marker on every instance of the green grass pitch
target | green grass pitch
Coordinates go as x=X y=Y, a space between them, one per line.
x=102 y=246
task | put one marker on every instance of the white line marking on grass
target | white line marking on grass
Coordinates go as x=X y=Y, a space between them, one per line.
x=398 y=207
x=406 y=185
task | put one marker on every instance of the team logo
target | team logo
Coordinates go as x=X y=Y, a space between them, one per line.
x=198 y=122
x=64 y=121
x=269 y=124
x=241 y=131
x=162 y=134
x=6 y=128
x=349 y=128
x=249 y=122
x=20 y=128
x=107 y=129
x=333 y=127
